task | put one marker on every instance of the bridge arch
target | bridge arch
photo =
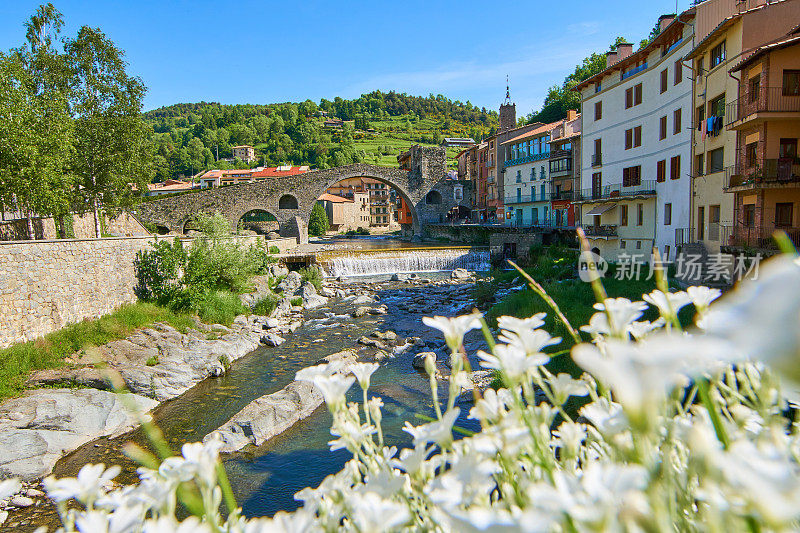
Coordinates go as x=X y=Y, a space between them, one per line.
x=287 y=201
x=258 y=220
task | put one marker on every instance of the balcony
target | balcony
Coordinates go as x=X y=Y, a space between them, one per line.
x=645 y=188
x=764 y=174
x=558 y=154
x=526 y=198
x=740 y=236
x=597 y=160
x=601 y=231
x=767 y=100
x=562 y=195
x=633 y=72
x=526 y=159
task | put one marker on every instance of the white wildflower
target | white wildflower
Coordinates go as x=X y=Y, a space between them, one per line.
x=517 y=325
x=668 y=304
x=373 y=513
x=87 y=487
x=702 y=296
x=531 y=341
x=363 y=372
x=512 y=360
x=454 y=329
x=439 y=432
x=563 y=386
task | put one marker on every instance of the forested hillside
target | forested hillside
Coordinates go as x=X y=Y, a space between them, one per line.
x=193 y=136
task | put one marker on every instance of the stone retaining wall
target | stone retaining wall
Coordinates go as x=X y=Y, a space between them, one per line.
x=45 y=285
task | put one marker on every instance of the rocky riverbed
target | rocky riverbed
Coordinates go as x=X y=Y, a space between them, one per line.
x=181 y=361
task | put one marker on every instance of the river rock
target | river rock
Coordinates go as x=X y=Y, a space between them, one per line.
x=21 y=501
x=268 y=416
x=272 y=323
x=290 y=283
x=380 y=310
x=327 y=292
x=283 y=308
x=419 y=360
x=363 y=299
x=271 y=339
x=83 y=377
x=39 y=427
x=311 y=299
x=460 y=273
x=366 y=341
x=361 y=311
x=390 y=336
x=399 y=277
x=277 y=270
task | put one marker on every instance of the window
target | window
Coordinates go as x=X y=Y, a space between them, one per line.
x=754 y=88
x=667 y=214
x=623 y=215
x=715 y=160
x=678 y=74
x=716 y=107
x=700 y=66
x=633 y=96
x=622 y=244
x=791 y=82
x=718 y=54
x=632 y=176
x=597 y=158
x=598 y=110
x=639 y=217
x=676 y=121
x=698 y=164
x=597 y=87
x=750 y=154
x=597 y=184
x=783 y=214
x=519 y=176
x=701 y=223
x=628 y=139
x=633 y=137
x=700 y=116
x=664 y=80
x=662 y=128
x=541 y=193
x=675 y=167
x=787 y=149
x=661 y=170
x=638 y=245
x=749 y=215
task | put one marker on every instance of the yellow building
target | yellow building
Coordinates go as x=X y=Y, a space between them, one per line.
x=725 y=32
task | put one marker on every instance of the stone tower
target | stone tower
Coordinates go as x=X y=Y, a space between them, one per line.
x=508 y=112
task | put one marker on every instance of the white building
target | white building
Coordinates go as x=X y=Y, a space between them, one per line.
x=635 y=163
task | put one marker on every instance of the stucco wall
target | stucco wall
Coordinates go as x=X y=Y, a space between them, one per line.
x=45 y=285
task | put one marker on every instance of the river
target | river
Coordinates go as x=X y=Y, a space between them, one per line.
x=266 y=478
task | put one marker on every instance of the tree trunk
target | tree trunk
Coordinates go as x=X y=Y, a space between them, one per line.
x=97 y=228
x=29 y=222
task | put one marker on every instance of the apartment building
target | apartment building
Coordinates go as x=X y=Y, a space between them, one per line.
x=217 y=178
x=728 y=32
x=526 y=177
x=764 y=182
x=244 y=152
x=636 y=132
x=346 y=214
x=565 y=168
x=481 y=185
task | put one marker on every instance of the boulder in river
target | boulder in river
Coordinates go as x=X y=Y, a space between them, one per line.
x=361 y=311
x=460 y=273
x=271 y=339
x=311 y=299
x=290 y=283
x=39 y=427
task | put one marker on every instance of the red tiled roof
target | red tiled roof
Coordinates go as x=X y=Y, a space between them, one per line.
x=276 y=172
x=335 y=199
x=534 y=132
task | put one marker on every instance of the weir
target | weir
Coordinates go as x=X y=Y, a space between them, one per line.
x=405 y=261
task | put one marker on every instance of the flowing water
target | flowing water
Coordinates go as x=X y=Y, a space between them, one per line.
x=407 y=261
x=266 y=478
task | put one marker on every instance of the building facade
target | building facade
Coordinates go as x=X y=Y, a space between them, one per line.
x=345 y=214
x=526 y=178
x=636 y=131
x=245 y=153
x=565 y=165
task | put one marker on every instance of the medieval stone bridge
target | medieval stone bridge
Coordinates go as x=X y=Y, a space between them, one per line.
x=290 y=199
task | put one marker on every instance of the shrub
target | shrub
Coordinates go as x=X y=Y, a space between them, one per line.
x=313 y=275
x=152 y=360
x=220 y=307
x=318 y=223
x=297 y=302
x=274 y=249
x=266 y=305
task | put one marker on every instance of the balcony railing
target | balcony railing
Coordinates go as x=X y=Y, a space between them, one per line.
x=764 y=173
x=633 y=71
x=605 y=230
x=526 y=159
x=597 y=160
x=740 y=236
x=558 y=154
x=536 y=197
x=645 y=188
x=768 y=99
x=562 y=195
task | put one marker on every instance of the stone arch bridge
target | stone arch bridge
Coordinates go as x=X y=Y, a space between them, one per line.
x=425 y=189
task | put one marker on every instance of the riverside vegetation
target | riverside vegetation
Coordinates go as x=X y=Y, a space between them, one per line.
x=683 y=429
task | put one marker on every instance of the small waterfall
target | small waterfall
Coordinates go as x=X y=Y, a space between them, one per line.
x=399 y=261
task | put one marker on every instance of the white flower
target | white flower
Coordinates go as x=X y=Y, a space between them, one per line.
x=349 y=433
x=512 y=360
x=439 y=432
x=668 y=304
x=374 y=405
x=606 y=416
x=622 y=313
x=373 y=513
x=89 y=485
x=202 y=457
x=702 y=296
x=454 y=329
x=531 y=341
x=516 y=325
x=170 y=525
x=640 y=330
x=334 y=387
x=490 y=407
x=569 y=435
x=563 y=386
x=363 y=372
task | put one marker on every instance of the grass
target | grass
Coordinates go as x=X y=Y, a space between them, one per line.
x=221 y=307
x=312 y=275
x=265 y=305
x=297 y=302
x=19 y=360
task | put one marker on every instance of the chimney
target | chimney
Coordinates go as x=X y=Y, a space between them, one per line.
x=624 y=50
x=571 y=114
x=664 y=21
x=611 y=58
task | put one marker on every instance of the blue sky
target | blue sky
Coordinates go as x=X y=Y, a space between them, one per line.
x=263 y=52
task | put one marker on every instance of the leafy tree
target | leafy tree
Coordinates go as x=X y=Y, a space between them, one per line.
x=112 y=150
x=318 y=223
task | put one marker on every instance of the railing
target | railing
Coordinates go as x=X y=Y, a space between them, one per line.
x=756 y=237
x=527 y=198
x=684 y=236
x=597 y=160
x=764 y=172
x=645 y=188
x=562 y=195
x=558 y=154
x=633 y=71
x=526 y=159
x=768 y=99
x=605 y=230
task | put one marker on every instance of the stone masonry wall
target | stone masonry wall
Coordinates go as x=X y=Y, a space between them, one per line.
x=45 y=285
